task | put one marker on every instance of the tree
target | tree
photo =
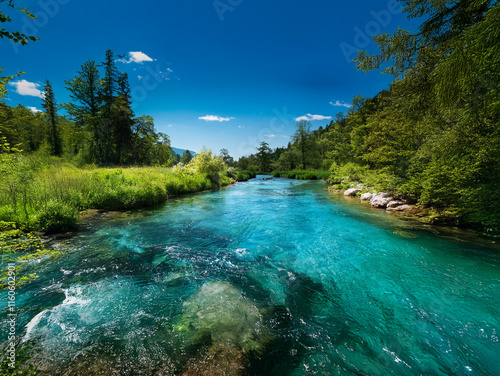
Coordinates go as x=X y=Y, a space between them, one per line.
x=123 y=120
x=15 y=36
x=289 y=160
x=264 y=157
x=301 y=139
x=143 y=139
x=186 y=157
x=85 y=89
x=110 y=81
x=49 y=104
x=162 y=152
x=227 y=158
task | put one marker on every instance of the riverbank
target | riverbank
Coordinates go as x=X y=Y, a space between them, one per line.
x=404 y=206
x=49 y=196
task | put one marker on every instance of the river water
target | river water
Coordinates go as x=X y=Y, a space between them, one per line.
x=270 y=277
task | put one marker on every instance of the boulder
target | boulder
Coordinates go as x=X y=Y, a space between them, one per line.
x=411 y=209
x=394 y=204
x=380 y=200
x=366 y=196
x=220 y=312
x=351 y=192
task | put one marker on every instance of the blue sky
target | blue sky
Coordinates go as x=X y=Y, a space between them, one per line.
x=215 y=73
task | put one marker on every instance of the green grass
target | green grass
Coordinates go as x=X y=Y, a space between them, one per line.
x=245 y=175
x=47 y=194
x=302 y=174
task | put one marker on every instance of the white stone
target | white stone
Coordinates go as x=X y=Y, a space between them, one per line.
x=352 y=192
x=366 y=196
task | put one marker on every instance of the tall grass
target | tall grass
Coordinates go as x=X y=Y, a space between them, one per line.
x=302 y=174
x=47 y=194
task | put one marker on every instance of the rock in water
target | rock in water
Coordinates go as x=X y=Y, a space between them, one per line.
x=380 y=200
x=351 y=192
x=219 y=360
x=394 y=204
x=366 y=196
x=220 y=311
x=232 y=326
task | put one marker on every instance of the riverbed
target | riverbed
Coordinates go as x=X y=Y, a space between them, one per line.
x=274 y=277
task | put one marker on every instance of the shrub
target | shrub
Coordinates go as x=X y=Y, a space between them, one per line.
x=209 y=164
x=57 y=216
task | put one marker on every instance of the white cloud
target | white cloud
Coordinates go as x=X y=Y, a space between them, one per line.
x=275 y=135
x=136 y=57
x=340 y=104
x=241 y=126
x=24 y=87
x=215 y=118
x=310 y=117
x=34 y=109
x=170 y=125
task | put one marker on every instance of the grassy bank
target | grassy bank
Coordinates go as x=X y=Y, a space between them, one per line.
x=302 y=174
x=47 y=194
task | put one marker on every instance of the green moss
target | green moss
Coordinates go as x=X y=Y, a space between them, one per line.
x=23 y=249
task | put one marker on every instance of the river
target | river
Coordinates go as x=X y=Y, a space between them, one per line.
x=274 y=277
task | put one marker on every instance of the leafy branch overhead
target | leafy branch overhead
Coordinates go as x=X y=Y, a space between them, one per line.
x=15 y=36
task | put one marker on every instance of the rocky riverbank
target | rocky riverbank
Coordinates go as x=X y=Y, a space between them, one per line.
x=391 y=202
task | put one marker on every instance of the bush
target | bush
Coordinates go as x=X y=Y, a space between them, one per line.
x=57 y=216
x=302 y=174
x=209 y=164
x=245 y=175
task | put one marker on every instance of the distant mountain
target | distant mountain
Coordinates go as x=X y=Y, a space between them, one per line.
x=181 y=151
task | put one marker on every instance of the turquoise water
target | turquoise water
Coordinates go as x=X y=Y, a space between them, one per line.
x=264 y=278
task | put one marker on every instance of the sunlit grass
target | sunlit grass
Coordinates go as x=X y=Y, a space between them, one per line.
x=47 y=194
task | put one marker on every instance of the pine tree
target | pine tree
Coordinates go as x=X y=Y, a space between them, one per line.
x=123 y=117
x=302 y=139
x=86 y=90
x=106 y=124
x=49 y=104
x=186 y=157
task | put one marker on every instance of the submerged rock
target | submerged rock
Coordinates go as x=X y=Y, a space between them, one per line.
x=225 y=325
x=219 y=360
x=220 y=312
x=174 y=278
x=351 y=192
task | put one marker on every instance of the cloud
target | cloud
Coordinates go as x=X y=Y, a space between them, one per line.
x=215 y=118
x=241 y=126
x=24 y=87
x=170 y=125
x=310 y=117
x=34 y=109
x=275 y=135
x=136 y=57
x=340 y=104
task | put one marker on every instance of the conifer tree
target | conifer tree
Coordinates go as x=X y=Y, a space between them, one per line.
x=49 y=104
